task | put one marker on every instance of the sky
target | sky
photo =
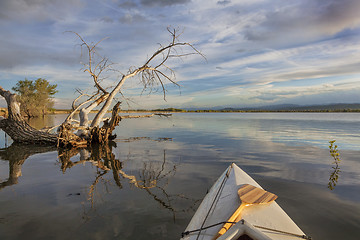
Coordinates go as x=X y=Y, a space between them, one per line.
x=258 y=52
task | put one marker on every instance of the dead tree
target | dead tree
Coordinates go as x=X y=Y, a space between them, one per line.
x=153 y=74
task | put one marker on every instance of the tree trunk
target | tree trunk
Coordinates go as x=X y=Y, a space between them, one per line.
x=17 y=128
x=100 y=115
x=104 y=134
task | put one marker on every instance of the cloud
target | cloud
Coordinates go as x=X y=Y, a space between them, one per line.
x=130 y=18
x=128 y=5
x=339 y=57
x=325 y=71
x=38 y=10
x=162 y=3
x=324 y=93
x=16 y=53
x=107 y=19
x=224 y=2
x=304 y=20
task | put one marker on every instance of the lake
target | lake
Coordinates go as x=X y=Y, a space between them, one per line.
x=165 y=166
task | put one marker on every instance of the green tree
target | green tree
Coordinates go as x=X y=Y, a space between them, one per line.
x=44 y=92
x=35 y=97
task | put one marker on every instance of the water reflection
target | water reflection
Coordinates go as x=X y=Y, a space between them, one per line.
x=42 y=122
x=17 y=154
x=152 y=177
x=61 y=189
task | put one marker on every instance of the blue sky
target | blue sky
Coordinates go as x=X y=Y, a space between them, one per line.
x=259 y=52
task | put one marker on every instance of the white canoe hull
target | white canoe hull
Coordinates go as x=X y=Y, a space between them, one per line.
x=221 y=202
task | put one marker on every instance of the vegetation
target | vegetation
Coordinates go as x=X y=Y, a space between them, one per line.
x=294 y=108
x=339 y=107
x=334 y=177
x=233 y=110
x=35 y=97
x=169 y=110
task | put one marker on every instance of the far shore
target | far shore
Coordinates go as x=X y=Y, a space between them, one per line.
x=172 y=110
x=3 y=111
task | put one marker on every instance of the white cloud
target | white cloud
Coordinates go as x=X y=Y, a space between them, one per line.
x=38 y=10
x=268 y=93
x=300 y=21
x=162 y=3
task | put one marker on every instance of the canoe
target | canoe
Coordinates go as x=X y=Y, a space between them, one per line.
x=266 y=221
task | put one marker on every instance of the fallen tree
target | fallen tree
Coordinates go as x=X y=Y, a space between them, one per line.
x=154 y=74
x=16 y=126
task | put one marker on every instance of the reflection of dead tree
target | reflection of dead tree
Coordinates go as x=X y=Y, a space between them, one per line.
x=99 y=155
x=139 y=184
x=149 y=174
x=16 y=154
x=153 y=177
x=92 y=186
x=65 y=155
x=161 y=176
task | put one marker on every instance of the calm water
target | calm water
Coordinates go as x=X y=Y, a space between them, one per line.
x=164 y=166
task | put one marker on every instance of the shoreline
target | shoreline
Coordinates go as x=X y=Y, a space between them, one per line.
x=223 y=111
x=3 y=111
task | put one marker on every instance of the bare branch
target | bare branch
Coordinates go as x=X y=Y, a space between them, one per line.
x=100 y=66
x=152 y=75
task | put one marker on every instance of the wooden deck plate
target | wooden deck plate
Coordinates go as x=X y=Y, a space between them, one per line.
x=253 y=195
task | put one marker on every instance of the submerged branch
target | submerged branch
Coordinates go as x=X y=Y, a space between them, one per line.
x=334 y=176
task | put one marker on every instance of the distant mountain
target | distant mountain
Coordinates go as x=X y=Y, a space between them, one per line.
x=275 y=107
x=330 y=107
